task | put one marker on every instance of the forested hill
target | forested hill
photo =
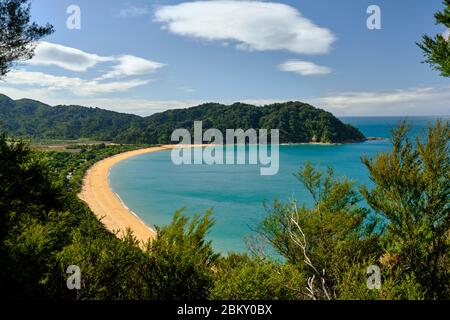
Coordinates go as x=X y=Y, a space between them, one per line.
x=29 y=118
x=298 y=122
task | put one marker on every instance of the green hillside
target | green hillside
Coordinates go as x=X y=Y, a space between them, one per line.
x=29 y=118
x=298 y=122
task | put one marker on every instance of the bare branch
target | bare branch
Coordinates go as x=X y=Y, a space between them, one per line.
x=301 y=242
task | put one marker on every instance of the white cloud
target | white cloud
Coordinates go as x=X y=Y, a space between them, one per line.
x=79 y=61
x=253 y=25
x=134 y=11
x=139 y=106
x=187 y=89
x=76 y=60
x=65 y=57
x=408 y=102
x=74 y=85
x=131 y=66
x=304 y=68
x=39 y=94
x=380 y=98
x=414 y=101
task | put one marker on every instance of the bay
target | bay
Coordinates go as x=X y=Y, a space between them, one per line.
x=154 y=188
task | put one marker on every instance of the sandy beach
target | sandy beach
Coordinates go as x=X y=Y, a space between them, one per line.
x=106 y=205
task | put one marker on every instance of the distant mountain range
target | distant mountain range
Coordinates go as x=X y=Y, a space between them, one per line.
x=298 y=122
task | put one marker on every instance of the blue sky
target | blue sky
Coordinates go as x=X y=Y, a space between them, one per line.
x=143 y=57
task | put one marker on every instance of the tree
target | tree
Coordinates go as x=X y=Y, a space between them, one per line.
x=437 y=50
x=18 y=35
x=112 y=268
x=180 y=260
x=30 y=227
x=243 y=277
x=326 y=240
x=412 y=193
x=25 y=185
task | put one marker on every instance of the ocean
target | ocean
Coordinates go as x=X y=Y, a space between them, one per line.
x=154 y=188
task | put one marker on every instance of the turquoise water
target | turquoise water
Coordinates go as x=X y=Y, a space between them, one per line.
x=154 y=188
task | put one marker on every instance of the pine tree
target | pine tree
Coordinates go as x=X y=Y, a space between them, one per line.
x=18 y=35
x=437 y=50
x=412 y=192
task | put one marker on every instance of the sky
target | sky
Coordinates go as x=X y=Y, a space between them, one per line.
x=143 y=57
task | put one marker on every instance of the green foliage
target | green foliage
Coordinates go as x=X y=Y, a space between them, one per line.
x=33 y=119
x=351 y=284
x=334 y=242
x=240 y=277
x=45 y=229
x=180 y=260
x=33 y=222
x=18 y=36
x=437 y=50
x=412 y=192
x=70 y=167
x=298 y=122
x=324 y=240
x=326 y=248
x=24 y=183
x=111 y=269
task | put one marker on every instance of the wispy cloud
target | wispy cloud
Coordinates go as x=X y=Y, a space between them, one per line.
x=253 y=25
x=304 y=68
x=134 y=11
x=413 y=101
x=407 y=102
x=75 y=60
x=187 y=89
x=129 y=65
x=74 y=85
x=388 y=97
x=68 y=58
x=133 y=105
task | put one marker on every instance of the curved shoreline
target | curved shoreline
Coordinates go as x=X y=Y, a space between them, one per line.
x=107 y=206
